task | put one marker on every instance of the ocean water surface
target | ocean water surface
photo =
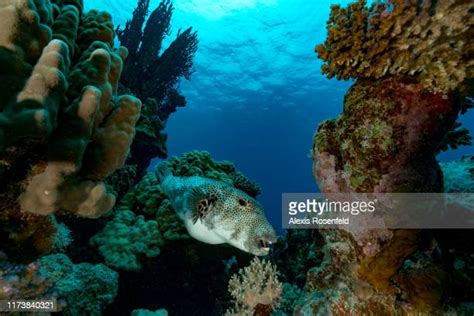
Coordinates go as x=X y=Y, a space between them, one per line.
x=257 y=94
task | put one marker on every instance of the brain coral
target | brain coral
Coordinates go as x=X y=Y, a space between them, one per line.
x=431 y=40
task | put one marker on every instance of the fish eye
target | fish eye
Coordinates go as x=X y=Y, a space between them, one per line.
x=242 y=202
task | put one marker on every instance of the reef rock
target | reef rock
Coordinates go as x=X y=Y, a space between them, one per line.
x=414 y=67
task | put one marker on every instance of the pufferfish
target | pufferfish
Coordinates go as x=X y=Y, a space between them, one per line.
x=215 y=212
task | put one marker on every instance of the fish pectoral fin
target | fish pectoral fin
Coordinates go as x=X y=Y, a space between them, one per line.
x=202 y=204
x=201 y=209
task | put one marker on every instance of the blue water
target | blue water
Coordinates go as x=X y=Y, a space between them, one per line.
x=257 y=94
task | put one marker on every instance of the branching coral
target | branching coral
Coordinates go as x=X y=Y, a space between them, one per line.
x=429 y=40
x=34 y=111
x=63 y=128
x=53 y=190
x=153 y=75
x=122 y=180
x=66 y=25
x=95 y=26
x=456 y=137
x=149 y=72
x=255 y=289
x=79 y=150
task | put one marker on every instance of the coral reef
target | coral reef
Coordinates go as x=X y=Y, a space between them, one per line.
x=83 y=288
x=456 y=245
x=19 y=281
x=144 y=223
x=149 y=72
x=459 y=175
x=150 y=139
x=78 y=288
x=458 y=136
x=141 y=223
x=127 y=237
x=290 y=296
x=153 y=74
x=63 y=127
x=256 y=289
x=414 y=68
x=297 y=252
x=200 y=163
x=145 y=312
x=123 y=179
x=429 y=40
x=372 y=145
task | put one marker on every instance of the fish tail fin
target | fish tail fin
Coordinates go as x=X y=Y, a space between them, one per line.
x=163 y=171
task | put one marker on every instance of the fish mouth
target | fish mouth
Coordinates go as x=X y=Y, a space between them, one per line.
x=264 y=245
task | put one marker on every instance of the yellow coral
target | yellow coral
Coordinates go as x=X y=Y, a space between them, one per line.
x=430 y=40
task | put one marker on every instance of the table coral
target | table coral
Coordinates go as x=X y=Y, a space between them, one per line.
x=430 y=40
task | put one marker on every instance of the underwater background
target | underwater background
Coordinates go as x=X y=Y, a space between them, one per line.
x=257 y=94
x=138 y=138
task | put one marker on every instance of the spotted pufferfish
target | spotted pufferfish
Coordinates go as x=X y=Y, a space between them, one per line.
x=215 y=212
